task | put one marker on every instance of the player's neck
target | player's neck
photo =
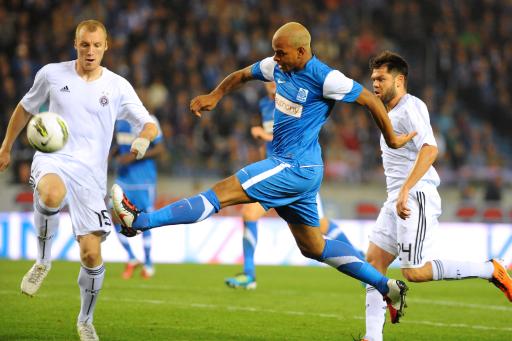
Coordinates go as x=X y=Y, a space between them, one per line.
x=89 y=75
x=391 y=104
x=303 y=64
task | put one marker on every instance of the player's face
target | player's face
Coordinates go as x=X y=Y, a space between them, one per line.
x=90 y=47
x=384 y=84
x=286 y=56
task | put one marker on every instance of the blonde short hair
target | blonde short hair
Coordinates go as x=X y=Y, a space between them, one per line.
x=91 y=26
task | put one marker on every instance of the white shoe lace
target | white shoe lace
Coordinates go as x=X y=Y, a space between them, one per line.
x=37 y=274
x=87 y=332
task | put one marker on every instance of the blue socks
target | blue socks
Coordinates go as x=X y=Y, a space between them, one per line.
x=345 y=258
x=124 y=242
x=336 y=233
x=249 y=244
x=185 y=211
x=146 y=241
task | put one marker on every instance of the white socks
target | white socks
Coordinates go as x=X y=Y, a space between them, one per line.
x=90 y=281
x=46 y=223
x=375 y=314
x=451 y=269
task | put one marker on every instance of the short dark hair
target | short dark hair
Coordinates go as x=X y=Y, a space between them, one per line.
x=396 y=64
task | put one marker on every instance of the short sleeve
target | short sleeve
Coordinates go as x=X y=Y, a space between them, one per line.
x=264 y=69
x=132 y=109
x=38 y=93
x=159 y=137
x=339 y=87
x=420 y=122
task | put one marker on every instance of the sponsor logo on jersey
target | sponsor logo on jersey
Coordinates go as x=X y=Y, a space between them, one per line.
x=280 y=81
x=302 y=95
x=103 y=100
x=288 y=107
x=64 y=89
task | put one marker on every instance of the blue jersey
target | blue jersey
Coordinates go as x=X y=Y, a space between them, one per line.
x=140 y=171
x=303 y=102
x=267 y=107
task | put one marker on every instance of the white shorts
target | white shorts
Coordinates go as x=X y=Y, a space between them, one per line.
x=411 y=240
x=86 y=203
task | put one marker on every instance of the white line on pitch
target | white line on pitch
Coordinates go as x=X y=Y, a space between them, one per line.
x=301 y=313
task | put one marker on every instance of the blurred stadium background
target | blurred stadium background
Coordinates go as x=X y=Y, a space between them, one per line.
x=460 y=56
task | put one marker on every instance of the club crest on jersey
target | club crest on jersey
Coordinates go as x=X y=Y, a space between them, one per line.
x=302 y=95
x=103 y=100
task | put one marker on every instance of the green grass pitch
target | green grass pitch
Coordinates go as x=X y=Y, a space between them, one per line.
x=191 y=302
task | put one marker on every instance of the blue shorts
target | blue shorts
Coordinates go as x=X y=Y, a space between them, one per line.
x=141 y=195
x=290 y=189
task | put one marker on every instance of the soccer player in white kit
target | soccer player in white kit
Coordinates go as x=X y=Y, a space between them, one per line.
x=405 y=225
x=90 y=98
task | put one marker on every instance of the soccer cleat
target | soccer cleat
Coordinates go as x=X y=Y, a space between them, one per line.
x=130 y=268
x=395 y=299
x=33 y=279
x=241 y=280
x=147 y=272
x=501 y=279
x=124 y=210
x=86 y=332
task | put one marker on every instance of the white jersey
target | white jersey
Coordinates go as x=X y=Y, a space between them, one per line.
x=410 y=114
x=90 y=110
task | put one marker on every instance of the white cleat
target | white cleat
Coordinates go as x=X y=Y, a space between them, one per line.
x=395 y=299
x=33 y=279
x=86 y=332
x=124 y=210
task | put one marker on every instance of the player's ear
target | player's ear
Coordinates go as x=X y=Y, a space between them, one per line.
x=401 y=78
x=106 y=44
x=301 y=50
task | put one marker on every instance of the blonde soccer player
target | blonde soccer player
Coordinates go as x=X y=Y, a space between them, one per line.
x=90 y=98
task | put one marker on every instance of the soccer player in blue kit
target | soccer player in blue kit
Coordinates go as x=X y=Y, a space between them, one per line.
x=138 y=179
x=252 y=212
x=288 y=179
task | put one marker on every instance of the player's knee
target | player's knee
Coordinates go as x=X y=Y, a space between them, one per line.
x=52 y=196
x=416 y=275
x=90 y=257
x=311 y=251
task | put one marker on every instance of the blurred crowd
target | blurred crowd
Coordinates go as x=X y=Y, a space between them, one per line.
x=460 y=56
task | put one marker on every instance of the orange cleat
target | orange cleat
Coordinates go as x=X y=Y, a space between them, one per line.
x=501 y=279
x=129 y=269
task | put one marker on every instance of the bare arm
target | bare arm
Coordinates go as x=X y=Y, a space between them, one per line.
x=380 y=116
x=157 y=151
x=259 y=133
x=209 y=102
x=149 y=131
x=426 y=157
x=18 y=121
x=141 y=143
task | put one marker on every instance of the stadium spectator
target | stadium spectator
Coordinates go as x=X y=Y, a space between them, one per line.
x=449 y=53
x=90 y=98
x=405 y=226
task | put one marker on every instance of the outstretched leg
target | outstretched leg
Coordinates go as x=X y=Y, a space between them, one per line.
x=190 y=210
x=345 y=258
